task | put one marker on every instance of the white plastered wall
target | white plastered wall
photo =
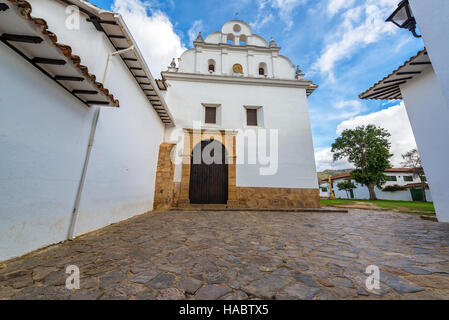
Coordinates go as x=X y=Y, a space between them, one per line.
x=46 y=132
x=284 y=109
x=429 y=116
x=432 y=17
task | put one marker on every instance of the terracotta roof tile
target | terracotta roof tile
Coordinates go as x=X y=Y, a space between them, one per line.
x=391 y=170
x=366 y=94
x=415 y=185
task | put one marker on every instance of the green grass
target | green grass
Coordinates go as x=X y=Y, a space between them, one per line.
x=422 y=208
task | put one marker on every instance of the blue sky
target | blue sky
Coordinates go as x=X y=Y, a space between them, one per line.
x=344 y=46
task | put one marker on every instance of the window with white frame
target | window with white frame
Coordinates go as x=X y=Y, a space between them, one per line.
x=211 y=114
x=253 y=116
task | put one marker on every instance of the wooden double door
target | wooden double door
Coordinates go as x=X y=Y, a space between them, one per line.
x=208 y=174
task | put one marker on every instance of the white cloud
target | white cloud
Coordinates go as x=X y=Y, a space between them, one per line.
x=359 y=26
x=284 y=9
x=343 y=109
x=324 y=160
x=152 y=31
x=196 y=27
x=394 y=119
x=346 y=109
x=334 y=6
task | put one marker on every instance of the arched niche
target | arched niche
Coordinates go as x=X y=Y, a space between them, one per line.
x=211 y=65
x=263 y=69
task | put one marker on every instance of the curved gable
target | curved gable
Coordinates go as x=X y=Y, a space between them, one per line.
x=237 y=27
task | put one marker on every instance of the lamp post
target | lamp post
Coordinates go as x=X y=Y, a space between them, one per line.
x=403 y=18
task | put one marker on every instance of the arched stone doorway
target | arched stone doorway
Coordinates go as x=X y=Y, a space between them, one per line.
x=208 y=173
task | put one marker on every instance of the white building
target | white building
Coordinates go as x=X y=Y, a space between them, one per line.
x=230 y=84
x=48 y=104
x=77 y=157
x=403 y=177
x=324 y=189
x=423 y=83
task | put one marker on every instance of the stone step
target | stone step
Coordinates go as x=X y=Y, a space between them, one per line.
x=215 y=208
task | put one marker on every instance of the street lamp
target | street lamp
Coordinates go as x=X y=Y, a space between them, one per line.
x=403 y=18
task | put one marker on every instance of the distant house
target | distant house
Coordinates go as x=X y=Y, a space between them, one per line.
x=411 y=187
x=324 y=189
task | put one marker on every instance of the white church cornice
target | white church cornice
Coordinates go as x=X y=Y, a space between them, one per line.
x=215 y=46
x=256 y=81
x=237 y=46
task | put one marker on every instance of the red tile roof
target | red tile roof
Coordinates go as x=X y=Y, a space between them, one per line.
x=415 y=185
x=341 y=175
x=397 y=170
x=407 y=170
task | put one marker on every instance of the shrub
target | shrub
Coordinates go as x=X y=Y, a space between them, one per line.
x=393 y=188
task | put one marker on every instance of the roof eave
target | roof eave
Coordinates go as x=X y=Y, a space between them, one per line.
x=96 y=11
x=147 y=71
x=75 y=77
x=389 y=87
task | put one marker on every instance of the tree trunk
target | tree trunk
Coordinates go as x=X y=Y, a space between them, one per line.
x=372 y=193
x=424 y=197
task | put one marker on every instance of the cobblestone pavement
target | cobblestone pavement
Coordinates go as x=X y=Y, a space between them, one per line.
x=243 y=255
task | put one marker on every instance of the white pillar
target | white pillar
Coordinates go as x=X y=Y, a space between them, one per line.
x=429 y=117
x=274 y=65
x=198 y=60
x=251 y=68
x=224 y=62
x=432 y=17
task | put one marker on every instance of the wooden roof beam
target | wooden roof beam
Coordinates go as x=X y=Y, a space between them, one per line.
x=97 y=102
x=84 y=92
x=21 y=38
x=115 y=36
x=3 y=7
x=390 y=86
x=384 y=95
x=68 y=78
x=408 y=72
x=396 y=80
x=380 y=92
x=58 y=62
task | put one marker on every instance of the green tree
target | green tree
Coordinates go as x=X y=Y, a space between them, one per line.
x=347 y=186
x=412 y=160
x=368 y=149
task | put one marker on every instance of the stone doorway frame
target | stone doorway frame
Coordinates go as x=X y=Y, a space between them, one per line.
x=194 y=136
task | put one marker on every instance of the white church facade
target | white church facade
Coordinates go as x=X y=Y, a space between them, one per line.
x=90 y=138
x=234 y=87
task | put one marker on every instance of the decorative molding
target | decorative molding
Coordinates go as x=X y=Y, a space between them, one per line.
x=193 y=77
x=206 y=45
x=211 y=105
